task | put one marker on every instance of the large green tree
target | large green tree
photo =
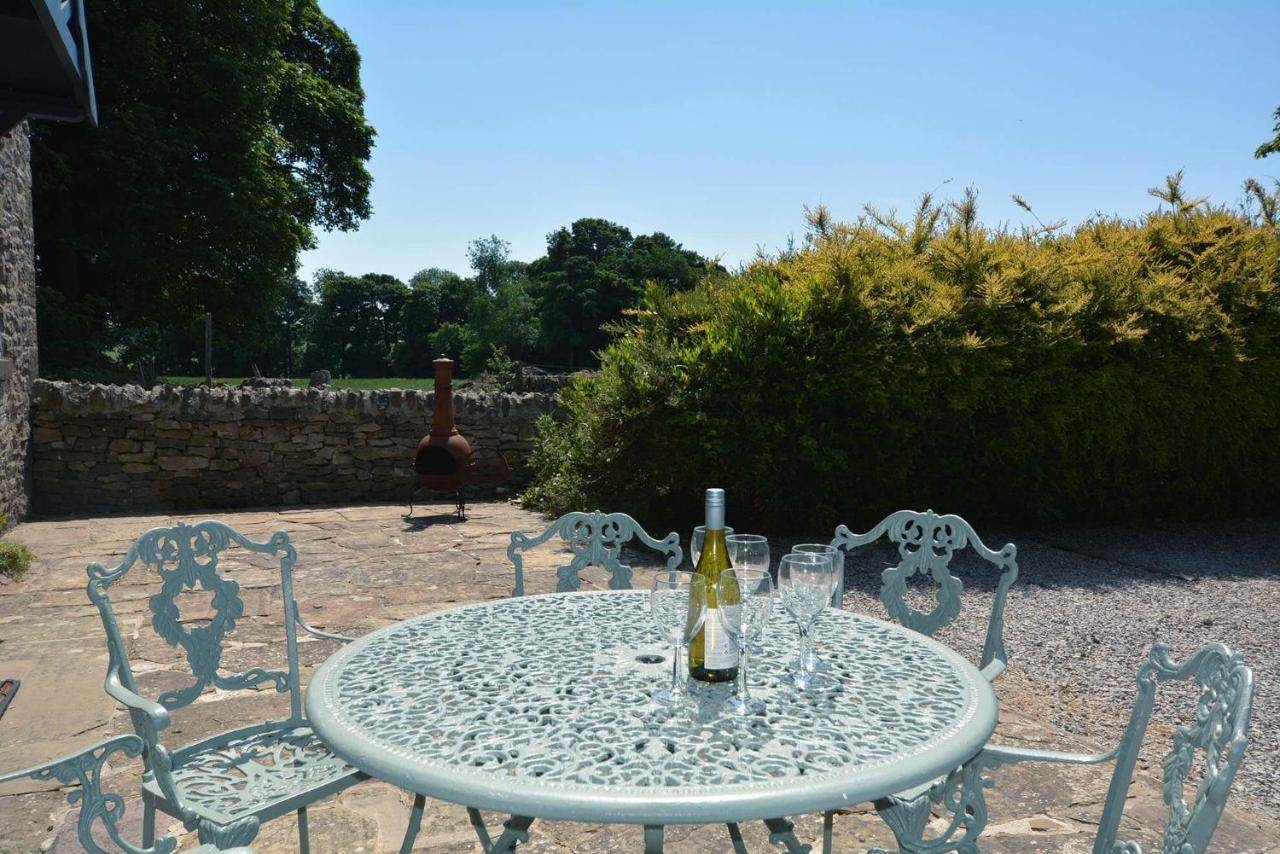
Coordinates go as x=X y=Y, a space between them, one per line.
x=592 y=272
x=228 y=131
x=293 y=319
x=436 y=297
x=502 y=316
x=357 y=323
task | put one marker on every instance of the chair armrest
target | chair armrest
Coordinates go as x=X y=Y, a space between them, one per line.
x=320 y=633
x=158 y=714
x=1004 y=754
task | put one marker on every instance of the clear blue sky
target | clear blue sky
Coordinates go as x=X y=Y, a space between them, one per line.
x=717 y=121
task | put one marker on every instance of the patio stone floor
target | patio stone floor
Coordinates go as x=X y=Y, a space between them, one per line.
x=363 y=567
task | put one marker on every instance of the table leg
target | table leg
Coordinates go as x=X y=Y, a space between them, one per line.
x=653 y=839
x=482 y=832
x=962 y=795
x=515 y=832
x=415 y=824
x=735 y=837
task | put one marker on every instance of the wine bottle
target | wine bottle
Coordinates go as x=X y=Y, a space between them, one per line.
x=713 y=657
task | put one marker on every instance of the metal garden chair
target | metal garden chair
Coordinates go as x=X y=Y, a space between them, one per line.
x=596 y=539
x=1219 y=733
x=926 y=542
x=225 y=785
x=96 y=806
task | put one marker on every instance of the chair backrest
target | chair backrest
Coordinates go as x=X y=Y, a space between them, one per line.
x=596 y=539
x=185 y=557
x=1219 y=733
x=926 y=543
x=96 y=806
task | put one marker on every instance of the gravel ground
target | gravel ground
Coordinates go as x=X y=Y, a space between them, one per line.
x=1088 y=605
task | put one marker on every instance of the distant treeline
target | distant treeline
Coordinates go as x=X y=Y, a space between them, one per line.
x=556 y=311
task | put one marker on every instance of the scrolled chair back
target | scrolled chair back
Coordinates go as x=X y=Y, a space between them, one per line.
x=1218 y=734
x=185 y=557
x=595 y=539
x=926 y=543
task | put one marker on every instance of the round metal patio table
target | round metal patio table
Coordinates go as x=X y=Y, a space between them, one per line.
x=540 y=706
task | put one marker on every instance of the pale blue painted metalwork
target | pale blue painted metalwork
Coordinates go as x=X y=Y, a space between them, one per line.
x=540 y=706
x=926 y=543
x=596 y=539
x=1218 y=734
x=228 y=784
x=961 y=793
x=97 y=807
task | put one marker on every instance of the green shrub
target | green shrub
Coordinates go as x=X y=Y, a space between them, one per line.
x=15 y=559
x=1122 y=370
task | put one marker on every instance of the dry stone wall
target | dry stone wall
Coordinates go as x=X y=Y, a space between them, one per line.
x=17 y=320
x=100 y=448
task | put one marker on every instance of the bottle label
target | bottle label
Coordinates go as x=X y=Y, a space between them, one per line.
x=719 y=652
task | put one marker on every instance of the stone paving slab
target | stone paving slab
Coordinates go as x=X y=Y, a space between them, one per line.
x=360 y=568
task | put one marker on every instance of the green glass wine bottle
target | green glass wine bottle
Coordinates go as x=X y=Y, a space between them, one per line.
x=712 y=655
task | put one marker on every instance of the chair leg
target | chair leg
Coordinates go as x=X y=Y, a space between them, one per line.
x=477 y=824
x=735 y=836
x=415 y=823
x=148 y=820
x=304 y=837
x=782 y=832
x=653 y=839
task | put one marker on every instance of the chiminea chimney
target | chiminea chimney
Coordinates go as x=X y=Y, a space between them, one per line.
x=443 y=461
x=442 y=409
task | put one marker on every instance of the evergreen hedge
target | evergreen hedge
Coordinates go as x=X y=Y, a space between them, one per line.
x=1122 y=370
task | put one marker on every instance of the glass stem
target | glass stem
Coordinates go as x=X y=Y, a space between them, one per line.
x=742 y=672
x=806 y=648
x=675 y=671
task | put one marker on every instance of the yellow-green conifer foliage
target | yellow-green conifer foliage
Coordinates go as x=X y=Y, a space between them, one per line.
x=1119 y=370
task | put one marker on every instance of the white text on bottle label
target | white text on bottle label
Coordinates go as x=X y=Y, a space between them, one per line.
x=719 y=653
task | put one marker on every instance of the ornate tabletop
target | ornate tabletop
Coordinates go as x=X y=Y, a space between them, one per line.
x=539 y=706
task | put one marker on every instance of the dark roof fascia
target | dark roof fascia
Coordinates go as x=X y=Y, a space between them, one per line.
x=68 y=36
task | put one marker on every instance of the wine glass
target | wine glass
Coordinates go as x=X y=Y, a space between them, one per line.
x=678 y=605
x=748 y=551
x=813 y=663
x=695 y=542
x=744 y=600
x=804 y=585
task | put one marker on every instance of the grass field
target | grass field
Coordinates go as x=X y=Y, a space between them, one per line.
x=301 y=382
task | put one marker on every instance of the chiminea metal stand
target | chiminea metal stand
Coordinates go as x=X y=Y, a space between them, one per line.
x=459 y=500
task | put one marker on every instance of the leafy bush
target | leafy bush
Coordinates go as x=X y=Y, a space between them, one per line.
x=15 y=559
x=499 y=372
x=1123 y=369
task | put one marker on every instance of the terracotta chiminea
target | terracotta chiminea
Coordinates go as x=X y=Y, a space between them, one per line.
x=444 y=461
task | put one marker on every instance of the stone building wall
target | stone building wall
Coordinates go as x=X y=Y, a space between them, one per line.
x=100 y=448
x=17 y=321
